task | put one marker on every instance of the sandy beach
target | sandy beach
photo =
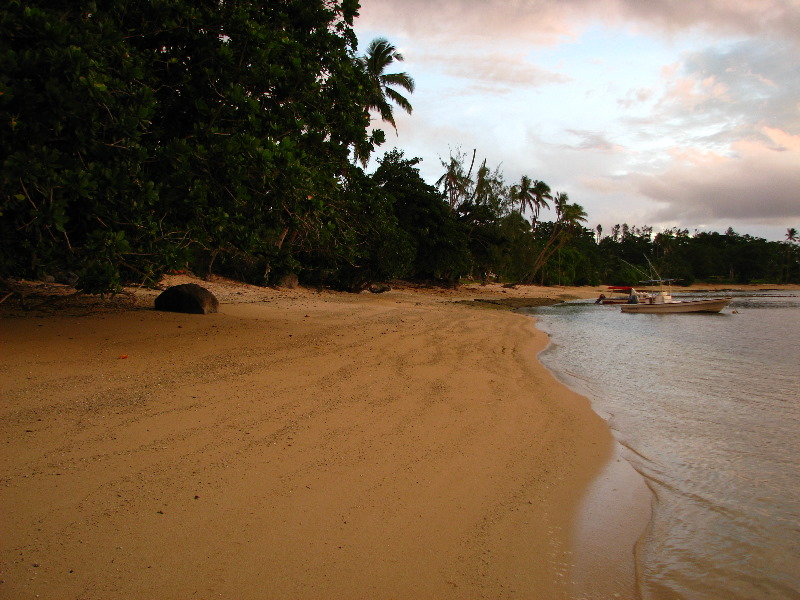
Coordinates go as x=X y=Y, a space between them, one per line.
x=304 y=444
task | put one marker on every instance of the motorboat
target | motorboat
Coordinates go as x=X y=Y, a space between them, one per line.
x=663 y=303
x=659 y=305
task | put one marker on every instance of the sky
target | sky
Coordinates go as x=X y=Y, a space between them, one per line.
x=667 y=113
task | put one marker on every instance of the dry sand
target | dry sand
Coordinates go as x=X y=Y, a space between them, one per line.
x=304 y=445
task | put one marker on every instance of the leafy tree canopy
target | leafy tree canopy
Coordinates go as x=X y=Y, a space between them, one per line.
x=137 y=136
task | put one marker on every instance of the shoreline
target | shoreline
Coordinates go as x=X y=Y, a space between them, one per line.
x=299 y=444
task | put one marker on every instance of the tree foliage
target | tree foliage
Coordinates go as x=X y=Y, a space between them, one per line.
x=382 y=93
x=138 y=136
x=435 y=237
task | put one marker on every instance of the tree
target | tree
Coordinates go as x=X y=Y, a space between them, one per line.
x=531 y=195
x=456 y=183
x=792 y=255
x=541 y=193
x=568 y=219
x=363 y=243
x=514 y=259
x=380 y=56
x=439 y=241
x=139 y=136
x=522 y=194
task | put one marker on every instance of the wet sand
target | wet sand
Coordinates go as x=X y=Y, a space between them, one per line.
x=303 y=445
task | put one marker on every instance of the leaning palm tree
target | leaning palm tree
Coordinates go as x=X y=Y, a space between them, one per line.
x=572 y=215
x=380 y=55
x=569 y=218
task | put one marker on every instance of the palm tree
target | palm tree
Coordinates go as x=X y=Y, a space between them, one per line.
x=572 y=215
x=791 y=239
x=380 y=55
x=455 y=182
x=483 y=184
x=561 y=202
x=569 y=218
x=531 y=195
x=522 y=194
x=541 y=193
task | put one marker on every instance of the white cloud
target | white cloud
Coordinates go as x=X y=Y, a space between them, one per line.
x=497 y=69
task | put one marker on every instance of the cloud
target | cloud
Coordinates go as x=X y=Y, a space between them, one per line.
x=759 y=182
x=635 y=97
x=496 y=69
x=502 y=21
x=747 y=84
x=591 y=140
x=777 y=18
x=548 y=22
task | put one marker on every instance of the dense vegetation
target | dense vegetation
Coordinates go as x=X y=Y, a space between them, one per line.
x=231 y=137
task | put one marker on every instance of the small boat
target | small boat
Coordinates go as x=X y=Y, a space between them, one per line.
x=663 y=303
x=709 y=305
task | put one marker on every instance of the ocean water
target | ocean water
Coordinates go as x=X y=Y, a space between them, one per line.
x=707 y=409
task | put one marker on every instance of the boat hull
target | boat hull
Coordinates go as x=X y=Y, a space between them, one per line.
x=680 y=306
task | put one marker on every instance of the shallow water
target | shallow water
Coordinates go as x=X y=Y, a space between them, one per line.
x=707 y=408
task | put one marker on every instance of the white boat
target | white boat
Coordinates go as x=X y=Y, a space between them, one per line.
x=662 y=302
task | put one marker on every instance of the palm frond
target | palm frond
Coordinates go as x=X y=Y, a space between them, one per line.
x=404 y=80
x=380 y=55
x=398 y=99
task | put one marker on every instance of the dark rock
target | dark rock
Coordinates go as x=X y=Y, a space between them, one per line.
x=187 y=298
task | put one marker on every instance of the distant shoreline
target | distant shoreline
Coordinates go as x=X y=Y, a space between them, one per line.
x=21 y=298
